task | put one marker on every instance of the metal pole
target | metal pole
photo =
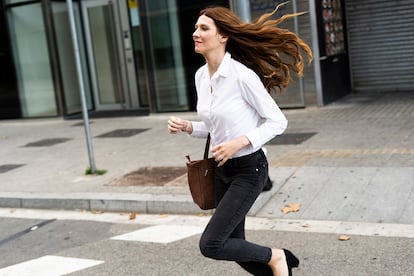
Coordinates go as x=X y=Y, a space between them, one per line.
x=244 y=10
x=81 y=87
x=241 y=8
x=316 y=55
x=301 y=80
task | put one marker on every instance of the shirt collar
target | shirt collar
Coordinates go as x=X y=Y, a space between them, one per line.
x=224 y=67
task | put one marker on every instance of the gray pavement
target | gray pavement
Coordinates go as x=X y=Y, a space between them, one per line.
x=92 y=237
x=357 y=166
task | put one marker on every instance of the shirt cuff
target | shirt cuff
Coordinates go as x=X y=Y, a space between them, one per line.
x=254 y=139
x=199 y=130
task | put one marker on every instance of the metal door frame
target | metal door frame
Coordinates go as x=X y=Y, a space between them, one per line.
x=122 y=72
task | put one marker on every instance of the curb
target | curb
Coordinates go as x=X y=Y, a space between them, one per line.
x=115 y=202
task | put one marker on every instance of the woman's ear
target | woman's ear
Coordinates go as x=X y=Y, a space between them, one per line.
x=223 y=38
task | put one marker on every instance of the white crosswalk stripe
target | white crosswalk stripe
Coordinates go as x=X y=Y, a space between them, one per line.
x=48 y=266
x=161 y=233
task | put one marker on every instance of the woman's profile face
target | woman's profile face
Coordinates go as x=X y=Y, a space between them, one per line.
x=206 y=37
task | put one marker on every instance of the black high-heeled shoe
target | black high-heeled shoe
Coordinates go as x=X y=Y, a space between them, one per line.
x=291 y=260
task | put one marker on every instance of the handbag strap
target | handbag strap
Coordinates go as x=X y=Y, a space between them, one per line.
x=207 y=147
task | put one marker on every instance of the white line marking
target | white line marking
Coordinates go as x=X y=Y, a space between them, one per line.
x=48 y=265
x=252 y=223
x=161 y=233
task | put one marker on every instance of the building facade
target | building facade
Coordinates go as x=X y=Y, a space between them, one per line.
x=136 y=56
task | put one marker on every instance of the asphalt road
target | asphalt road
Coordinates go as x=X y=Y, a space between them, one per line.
x=32 y=236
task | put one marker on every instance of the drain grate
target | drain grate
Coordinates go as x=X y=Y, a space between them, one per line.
x=154 y=176
x=291 y=138
x=121 y=133
x=47 y=142
x=8 y=167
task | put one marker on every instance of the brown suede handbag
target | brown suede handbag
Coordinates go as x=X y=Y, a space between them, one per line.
x=200 y=174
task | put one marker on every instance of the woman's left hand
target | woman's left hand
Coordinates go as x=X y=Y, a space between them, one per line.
x=223 y=151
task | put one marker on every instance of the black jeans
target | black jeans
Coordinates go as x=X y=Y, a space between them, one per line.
x=238 y=183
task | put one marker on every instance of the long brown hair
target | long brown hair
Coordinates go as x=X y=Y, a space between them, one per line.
x=262 y=46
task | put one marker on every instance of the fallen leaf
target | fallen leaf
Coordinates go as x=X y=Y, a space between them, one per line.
x=291 y=207
x=97 y=212
x=133 y=215
x=343 y=238
x=305 y=225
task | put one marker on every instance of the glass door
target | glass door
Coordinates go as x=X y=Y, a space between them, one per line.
x=165 y=57
x=107 y=67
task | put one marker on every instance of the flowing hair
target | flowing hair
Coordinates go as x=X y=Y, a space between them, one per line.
x=262 y=46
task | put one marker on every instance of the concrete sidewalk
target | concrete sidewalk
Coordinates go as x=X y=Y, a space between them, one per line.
x=349 y=161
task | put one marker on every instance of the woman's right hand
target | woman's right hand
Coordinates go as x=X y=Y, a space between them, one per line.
x=176 y=125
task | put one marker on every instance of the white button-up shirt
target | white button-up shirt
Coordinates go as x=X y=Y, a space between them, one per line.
x=234 y=102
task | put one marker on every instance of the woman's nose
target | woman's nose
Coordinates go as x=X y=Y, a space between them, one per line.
x=195 y=33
